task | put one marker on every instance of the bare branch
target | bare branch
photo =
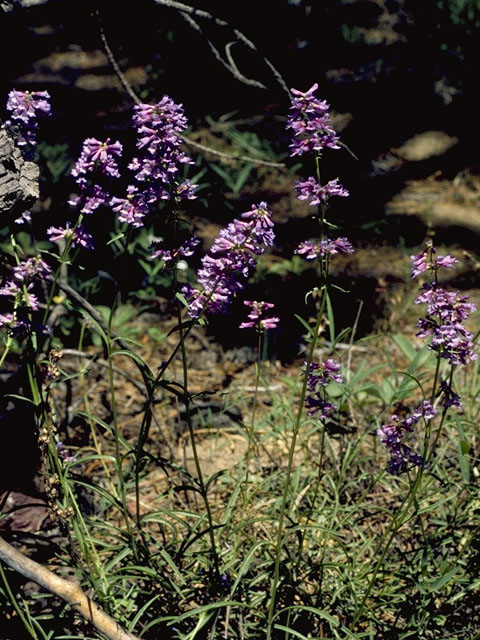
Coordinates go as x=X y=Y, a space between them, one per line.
x=200 y=13
x=228 y=156
x=125 y=84
x=230 y=66
x=65 y=589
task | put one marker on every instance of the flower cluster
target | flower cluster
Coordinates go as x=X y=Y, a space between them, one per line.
x=446 y=311
x=20 y=290
x=159 y=139
x=315 y=250
x=310 y=123
x=393 y=436
x=159 y=130
x=97 y=156
x=79 y=236
x=257 y=319
x=229 y=261
x=310 y=190
x=319 y=375
x=428 y=260
x=25 y=107
x=97 y=159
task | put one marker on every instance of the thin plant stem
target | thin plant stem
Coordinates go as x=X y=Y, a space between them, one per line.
x=198 y=466
x=118 y=456
x=288 y=473
x=251 y=430
x=16 y=606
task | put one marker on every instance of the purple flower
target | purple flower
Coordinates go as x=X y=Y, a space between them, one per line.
x=450 y=398
x=310 y=123
x=22 y=296
x=97 y=155
x=257 y=319
x=393 y=436
x=229 y=261
x=319 y=376
x=159 y=129
x=159 y=138
x=79 y=235
x=24 y=301
x=32 y=268
x=63 y=452
x=186 y=190
x=428 y=261
x=24 y=218
x=25 y=107
x=314 y=251
x=310 y=190
x=446 y=310
x=131 y=209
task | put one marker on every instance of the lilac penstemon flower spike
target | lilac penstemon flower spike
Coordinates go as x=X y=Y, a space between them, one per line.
x=446 y=312
x=309 y=121
x=230 y=260
x=393 y=436
x=319 y=376
x=19 y=288
x=257 y=319
x=25 y=107
x=79 y=236
x=97 y=161
x=156 y=167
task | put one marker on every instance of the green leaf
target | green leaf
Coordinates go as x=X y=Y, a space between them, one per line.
x=405 y=346
x=115 y=238
x=463 y=450
x=439 y=583
x=182 y=299
x=331 y=318
x=305 y=324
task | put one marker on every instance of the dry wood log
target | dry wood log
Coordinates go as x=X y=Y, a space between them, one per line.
x=18 y=178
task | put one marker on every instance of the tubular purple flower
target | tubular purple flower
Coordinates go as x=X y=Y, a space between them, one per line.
x=257 y=319
x=450 y=398
x=229 y=261
x=310 y=190
x=319 y=376
x=310 y=123
x=186 y=250
x=159 y=129
x=446 y=310
x=79 y=236
x=428 y=261
x=315 y=250
x=25 y=107
x=97 y=155
x=32 y=268
x=393 y=436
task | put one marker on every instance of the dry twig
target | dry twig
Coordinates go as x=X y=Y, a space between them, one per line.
x=65 y=589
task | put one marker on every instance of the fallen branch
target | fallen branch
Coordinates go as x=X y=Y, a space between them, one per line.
x=65 y=589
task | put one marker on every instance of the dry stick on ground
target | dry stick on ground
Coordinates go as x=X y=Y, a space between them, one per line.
x=65 y=589
x=129 y=90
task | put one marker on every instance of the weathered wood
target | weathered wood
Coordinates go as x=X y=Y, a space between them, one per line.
x=18 y=178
